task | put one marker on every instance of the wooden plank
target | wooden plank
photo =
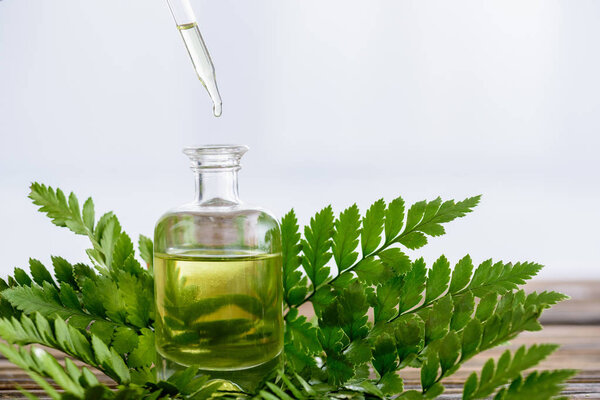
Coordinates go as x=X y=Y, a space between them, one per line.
x=583 y=308
x=580 y=349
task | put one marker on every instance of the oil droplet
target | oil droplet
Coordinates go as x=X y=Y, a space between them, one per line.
x=217 y=109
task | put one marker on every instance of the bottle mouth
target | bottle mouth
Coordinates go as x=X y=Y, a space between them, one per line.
x=215 y=156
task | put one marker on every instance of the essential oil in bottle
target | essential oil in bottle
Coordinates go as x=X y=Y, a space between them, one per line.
x=218 y=279
x=219 y=312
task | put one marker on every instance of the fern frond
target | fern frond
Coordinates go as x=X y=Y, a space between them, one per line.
x=62 y=336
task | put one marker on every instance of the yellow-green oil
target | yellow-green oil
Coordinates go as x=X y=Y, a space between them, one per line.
x=219 y=312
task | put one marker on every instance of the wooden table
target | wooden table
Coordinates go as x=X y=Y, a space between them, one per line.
x=574 y=324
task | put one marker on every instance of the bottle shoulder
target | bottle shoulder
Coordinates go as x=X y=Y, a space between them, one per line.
x=238 y=212
x=235 y=229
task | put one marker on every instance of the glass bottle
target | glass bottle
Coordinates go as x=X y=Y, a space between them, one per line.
x=218 y=278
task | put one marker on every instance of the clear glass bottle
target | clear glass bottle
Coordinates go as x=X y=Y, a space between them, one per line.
x=218 y=278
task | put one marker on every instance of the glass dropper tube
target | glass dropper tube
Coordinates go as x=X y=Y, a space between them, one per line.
x=188 y=28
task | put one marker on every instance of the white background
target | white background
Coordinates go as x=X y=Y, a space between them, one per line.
x=341 y=101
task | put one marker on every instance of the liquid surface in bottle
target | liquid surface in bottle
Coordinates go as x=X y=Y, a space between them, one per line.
x=218 y=312
x=202 y=62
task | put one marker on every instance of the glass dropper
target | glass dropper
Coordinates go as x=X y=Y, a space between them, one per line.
x=188 y=28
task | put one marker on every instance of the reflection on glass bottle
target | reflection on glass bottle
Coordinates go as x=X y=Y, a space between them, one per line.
x=218 y=278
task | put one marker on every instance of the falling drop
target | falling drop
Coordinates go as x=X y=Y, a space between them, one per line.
x=217 y=108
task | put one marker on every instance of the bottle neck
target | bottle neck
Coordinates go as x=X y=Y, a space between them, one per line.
x=216 y=169
x=217 y=186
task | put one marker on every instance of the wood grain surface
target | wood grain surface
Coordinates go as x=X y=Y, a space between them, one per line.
x=573 y=324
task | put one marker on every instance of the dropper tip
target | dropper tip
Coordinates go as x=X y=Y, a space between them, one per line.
x=217 y=109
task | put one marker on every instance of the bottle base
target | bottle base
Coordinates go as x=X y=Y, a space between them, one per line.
x=247 y=379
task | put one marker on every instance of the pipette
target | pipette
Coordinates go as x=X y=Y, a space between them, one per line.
x=188 y=28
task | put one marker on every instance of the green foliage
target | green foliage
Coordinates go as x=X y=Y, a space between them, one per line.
x=544 y=385
x=146 y=248
x=63 y=212
x=62 y=336
x=316 y=247
x=38 y=364
x=377 y=311
x=507 y=368
x=345 y=237
x=104 y=234
x=294 y=284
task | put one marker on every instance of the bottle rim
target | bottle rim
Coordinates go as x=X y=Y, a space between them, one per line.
x=215 y=156
x=216 y=149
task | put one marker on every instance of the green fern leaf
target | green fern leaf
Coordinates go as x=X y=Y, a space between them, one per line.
x=411 y=292
x=124 y=340
x=395 y=259
x=146 y=249
x=394 y=219
x=316 y=246
x=508 y=368
x=110 y=360
x=22 y=278
x=60 y=335
x=39 y=273
x=38 y=364
x=144 y=354
x=302 y=333
x=391 y=384
x=354 y=306
x=438 y=279
x=373 y=271
x=46 y=301
x=425 y=218
x=386 y=300
x=464 y=306
x=53 y=203
x=372 y=227
x=385 y=358
x=294 y=283
x=461 y=274
x=501 y=278
x=345 y=238
x=437 y=319
x=537 y=385
x=63 y=271
x=430 y=371
x=137 y=299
